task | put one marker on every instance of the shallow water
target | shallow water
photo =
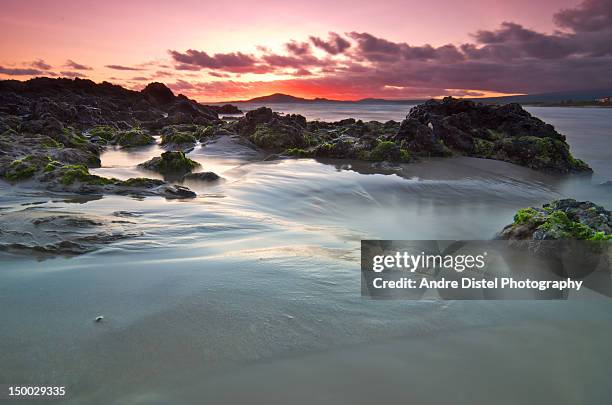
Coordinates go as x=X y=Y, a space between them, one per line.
x=250 y=292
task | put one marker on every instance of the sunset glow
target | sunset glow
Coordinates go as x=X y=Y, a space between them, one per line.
x=341 y=50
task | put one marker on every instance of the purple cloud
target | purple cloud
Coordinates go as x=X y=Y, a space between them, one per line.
x=72 y=74
x=76 y=66
x=298 y=48
x=232 y=62
x=20 y=71
x=40 y=64
x=121 y=67
x=334 y=45
x=590 y=15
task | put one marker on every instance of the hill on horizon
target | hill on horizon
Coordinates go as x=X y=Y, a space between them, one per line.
x=554 y=97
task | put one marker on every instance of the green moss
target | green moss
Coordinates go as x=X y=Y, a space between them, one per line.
x=310 y=139
x=297 y=152
x=600 y=236
x=206 y=132
x=265 y=137
x=106 y=132
x=494 y=134
x=557 y=224
x=172 y=162
x=483 y=148
x=385 y=150
x=277 y=137
x=21 y=169
x=577 y=164
x=141 y=182
x=405 y=155
x=50 y=143
x=178 y=138
x=525 y=215
x=72 y=173
x=26 y=167
x=133 y=137
x=560 y=224
x=74 y=138
x=52 y=165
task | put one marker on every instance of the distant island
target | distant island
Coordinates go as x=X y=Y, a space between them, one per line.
x=579 y=98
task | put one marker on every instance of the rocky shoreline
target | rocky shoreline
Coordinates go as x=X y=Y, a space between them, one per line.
x=63 y=122
x=52 y=132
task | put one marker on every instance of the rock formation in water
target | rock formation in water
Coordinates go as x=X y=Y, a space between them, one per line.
x=436 y=128
x=561 y=219
x=53 y=127
x=505 y=132
x=170 y=163
x=50 y=126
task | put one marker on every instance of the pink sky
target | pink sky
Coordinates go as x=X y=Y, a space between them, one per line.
x=38 y=37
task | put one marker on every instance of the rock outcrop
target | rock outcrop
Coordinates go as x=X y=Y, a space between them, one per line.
x=501 y=132
x=51 y=129
x=170 y=163
x=48 y=117
x=559 y=220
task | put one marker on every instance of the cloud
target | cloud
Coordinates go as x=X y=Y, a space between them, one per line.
x=511 y=58
x=217 y=74
x=76 y=66
x=20 y=71
x=72 y=74
x=40 y=64
x=121 y=67
x=298 y=48
x=590 y=15
x=232 y=62
x=334 y=45
x=162 y=73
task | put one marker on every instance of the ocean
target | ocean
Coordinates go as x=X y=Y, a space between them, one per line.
x=251 y=291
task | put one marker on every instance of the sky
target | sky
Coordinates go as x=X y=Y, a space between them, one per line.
x=217 y=51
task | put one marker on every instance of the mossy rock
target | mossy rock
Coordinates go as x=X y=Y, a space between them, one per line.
x=483 y=148
x=386 y=151
x=26 y=167
x=50 y=143
x=178 y=138
x=141 y=182
x=170 y=163
x=106 y=132
x=69 y=174
x=277 y=137
x=21 y=169
x=133 y=137
x=297 y=152
x=561 y=219
x=541 y=153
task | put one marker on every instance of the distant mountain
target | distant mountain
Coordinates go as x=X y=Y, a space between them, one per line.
x=542 y=98
x=279 y=98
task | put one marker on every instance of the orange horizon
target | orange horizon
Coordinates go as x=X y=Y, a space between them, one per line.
x=346 y=51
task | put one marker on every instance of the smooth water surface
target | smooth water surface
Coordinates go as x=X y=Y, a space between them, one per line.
x=251 y=291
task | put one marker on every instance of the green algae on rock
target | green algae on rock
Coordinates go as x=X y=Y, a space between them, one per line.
x=170 y=162
x=133 y=137
x=561 y=219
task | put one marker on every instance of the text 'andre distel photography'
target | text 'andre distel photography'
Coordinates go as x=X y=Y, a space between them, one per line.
x=306 y=202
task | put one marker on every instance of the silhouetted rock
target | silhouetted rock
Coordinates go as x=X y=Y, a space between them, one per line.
x=158 y=93
x=225 y=109
x=506 y=132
